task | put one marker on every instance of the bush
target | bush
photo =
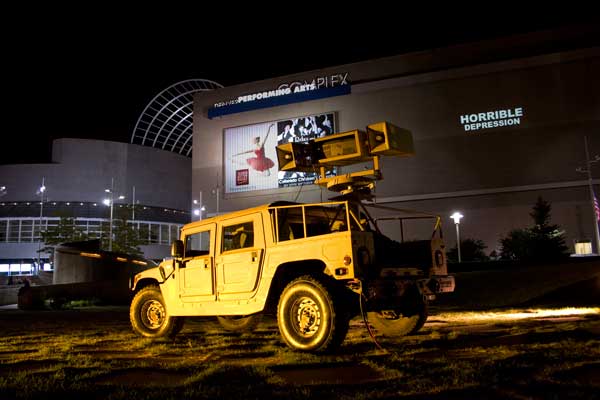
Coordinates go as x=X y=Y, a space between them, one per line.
x=471 y=250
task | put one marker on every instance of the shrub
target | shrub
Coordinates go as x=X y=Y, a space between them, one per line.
x=470 y=250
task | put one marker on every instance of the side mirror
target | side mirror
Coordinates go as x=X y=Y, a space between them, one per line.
x=177 y=249
x=166 y=270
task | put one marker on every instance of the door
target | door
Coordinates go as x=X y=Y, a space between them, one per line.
x=241 y=250
x=197 y=270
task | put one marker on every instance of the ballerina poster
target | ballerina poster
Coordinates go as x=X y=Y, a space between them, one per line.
x=251 y=159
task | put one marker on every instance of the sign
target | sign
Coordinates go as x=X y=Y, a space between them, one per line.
x=242 y=177
x=251 y=158
x=492 y=119
x=318 y=87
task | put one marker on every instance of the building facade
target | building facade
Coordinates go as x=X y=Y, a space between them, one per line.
x=495 y=125
x=155 y=185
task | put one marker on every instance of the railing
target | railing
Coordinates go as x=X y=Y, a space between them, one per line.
x=27 y=229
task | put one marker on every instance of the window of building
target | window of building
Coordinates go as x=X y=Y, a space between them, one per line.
x=26 y=231
x=3 y=230
x=164 y=234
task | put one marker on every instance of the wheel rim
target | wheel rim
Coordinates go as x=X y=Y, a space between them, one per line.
x=307 y=315
x=153 y=314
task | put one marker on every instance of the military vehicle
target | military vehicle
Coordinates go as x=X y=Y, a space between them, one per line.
x=316 y=266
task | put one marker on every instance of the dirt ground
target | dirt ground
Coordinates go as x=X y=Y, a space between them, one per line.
x=499 y=354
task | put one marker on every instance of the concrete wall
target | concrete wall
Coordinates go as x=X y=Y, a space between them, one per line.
x=20 y=250
x=30 y=250
x=82 y=169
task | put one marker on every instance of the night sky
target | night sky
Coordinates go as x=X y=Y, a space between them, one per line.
x=91 y=76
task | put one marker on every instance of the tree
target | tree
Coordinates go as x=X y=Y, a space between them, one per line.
x=548 y=240
x=126 y=237
x=517 y=245
x=470 y=250
x=65 y=231
x=542 y=242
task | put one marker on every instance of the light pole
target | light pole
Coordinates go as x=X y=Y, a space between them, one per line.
x=216 y=191
x=110 y=202
x=456 y=217
x=41 y=191
x=588 y=170
x=133 y=206
x=199 y=207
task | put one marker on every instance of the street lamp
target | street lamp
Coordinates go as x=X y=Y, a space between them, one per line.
x=456 y=217
x=198 y=211
x=199 y=207
x=40 y=192
x=109 y=202
x=133 y=205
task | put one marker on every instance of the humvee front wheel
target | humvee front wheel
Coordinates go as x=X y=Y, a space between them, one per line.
x=308 y=317
x=148 y=315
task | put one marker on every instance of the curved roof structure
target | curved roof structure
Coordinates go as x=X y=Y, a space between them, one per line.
x=166 y=122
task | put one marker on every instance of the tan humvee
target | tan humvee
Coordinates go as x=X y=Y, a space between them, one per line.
x=315 y=265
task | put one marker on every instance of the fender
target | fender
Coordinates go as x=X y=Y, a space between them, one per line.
x=149 y=274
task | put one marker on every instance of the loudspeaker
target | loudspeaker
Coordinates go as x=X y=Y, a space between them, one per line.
x=389 y=140
x=342 y=148
x=294 y=156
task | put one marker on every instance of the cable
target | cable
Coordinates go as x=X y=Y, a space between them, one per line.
x=366 y=321
x=299 y=191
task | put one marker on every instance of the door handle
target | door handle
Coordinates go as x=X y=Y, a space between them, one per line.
x=254 y=256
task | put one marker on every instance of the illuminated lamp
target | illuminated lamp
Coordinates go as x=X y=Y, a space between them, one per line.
x=389 y=140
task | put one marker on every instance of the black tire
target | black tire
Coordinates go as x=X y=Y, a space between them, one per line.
x=149 y=317
x=406 y=320
x=179 y=323
x=309 y=318
x=28 y=299
x=240 y=323
x=422 y=309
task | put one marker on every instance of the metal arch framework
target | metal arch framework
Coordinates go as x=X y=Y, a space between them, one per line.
x=166 y=122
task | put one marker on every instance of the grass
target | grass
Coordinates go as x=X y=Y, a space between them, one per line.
x=92 y=353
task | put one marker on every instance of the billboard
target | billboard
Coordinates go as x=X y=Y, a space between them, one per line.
x=250 y=156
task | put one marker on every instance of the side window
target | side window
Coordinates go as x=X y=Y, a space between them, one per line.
x=290 y=223
x=238 y=236
x=197 y=244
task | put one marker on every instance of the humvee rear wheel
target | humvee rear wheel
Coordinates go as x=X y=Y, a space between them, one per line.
x=400 y=322
x=148 y=315
x=308 y=317
x=423 y=311
x=240 y=323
